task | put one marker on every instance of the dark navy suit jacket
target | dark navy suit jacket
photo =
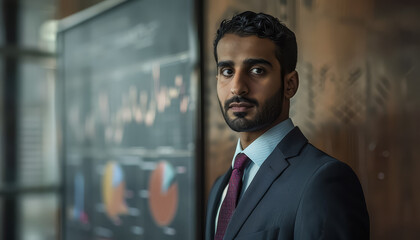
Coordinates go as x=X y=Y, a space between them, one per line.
x=298 y=193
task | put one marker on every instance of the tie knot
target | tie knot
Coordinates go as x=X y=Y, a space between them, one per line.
x=240 y=161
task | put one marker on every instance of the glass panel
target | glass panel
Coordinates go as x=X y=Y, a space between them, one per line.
x=37 y=148
x=38 y=217
x=37 y=24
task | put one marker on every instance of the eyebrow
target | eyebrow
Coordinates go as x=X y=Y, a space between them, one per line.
x=225 y=64
x=254 y=61
x=249 y=61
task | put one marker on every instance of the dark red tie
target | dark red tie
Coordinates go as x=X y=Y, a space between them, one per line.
x=231 y=199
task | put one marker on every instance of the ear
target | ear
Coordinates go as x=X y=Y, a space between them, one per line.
x=291 y=84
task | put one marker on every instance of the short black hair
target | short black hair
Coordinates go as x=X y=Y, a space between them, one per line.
x=263 y=26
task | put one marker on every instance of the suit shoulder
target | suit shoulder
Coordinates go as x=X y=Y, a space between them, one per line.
x=312 y=159
x=320 y=169
x=326 y=163
x=315 y=152
x=332 y=202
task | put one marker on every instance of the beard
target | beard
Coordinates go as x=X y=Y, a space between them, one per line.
x=266 y=114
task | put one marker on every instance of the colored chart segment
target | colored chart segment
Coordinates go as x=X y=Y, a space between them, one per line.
x=163 y=194
x=113 y=189
x=79 y=195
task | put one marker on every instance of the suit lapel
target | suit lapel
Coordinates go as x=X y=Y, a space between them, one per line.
x=259 y=186
x=272 y=167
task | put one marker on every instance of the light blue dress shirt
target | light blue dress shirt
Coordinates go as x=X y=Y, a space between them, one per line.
x=258 y=151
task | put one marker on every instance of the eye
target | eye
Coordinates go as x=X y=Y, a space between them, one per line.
x=257 y=71
x=227 y=72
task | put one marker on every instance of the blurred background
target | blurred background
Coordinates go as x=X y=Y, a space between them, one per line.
x=358 y=100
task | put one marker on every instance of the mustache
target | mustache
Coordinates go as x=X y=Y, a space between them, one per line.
x=238 y=99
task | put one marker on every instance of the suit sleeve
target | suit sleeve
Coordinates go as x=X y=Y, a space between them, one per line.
x=332 y=205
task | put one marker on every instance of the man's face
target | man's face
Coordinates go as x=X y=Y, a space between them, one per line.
x=249 y=83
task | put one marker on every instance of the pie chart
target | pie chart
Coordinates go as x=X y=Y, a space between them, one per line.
x=113 y=189
x=163 y=193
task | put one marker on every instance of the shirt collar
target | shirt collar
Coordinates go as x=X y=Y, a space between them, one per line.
x=264 y=145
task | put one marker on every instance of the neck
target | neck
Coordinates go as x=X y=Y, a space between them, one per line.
x=248 y=137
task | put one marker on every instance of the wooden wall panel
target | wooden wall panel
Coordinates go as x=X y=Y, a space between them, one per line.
x=358 y=98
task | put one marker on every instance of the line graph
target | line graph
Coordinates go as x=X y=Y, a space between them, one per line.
x=138 y=98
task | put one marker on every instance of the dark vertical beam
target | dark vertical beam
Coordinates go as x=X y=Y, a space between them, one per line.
x=10 y=94
x=200 y=173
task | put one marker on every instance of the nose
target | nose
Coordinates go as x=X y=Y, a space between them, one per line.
x=239 y=85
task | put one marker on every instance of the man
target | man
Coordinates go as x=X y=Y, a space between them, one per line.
x=280 y=186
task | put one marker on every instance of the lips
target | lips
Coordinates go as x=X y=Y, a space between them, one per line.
x=240 y=106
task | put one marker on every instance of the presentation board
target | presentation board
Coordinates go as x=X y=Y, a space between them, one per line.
x=129 y=121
